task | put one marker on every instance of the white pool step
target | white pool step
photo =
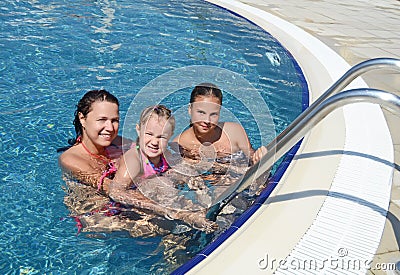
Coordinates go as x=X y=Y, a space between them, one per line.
x=347 y=230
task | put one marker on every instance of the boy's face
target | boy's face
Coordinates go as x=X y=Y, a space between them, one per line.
x=204 y=113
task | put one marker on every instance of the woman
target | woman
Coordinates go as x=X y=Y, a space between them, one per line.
x=93 y=157
x=89 y=166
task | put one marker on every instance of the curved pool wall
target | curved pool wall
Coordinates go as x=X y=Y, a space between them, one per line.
x=341 y=150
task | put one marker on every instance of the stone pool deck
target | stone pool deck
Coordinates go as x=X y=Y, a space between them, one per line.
x=358 y=30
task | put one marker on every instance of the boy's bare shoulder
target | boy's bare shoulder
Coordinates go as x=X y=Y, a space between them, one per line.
x=232 y=127
x=185 y=138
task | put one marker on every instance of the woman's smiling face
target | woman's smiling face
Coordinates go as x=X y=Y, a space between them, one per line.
x=101 y=123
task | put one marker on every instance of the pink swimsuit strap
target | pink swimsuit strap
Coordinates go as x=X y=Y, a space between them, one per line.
x=148 y=167
x=111 y=169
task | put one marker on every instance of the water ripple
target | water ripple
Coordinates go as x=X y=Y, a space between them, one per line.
x=23 y=110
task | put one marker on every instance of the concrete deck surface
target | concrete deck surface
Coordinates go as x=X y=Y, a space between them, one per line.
x=358 y=30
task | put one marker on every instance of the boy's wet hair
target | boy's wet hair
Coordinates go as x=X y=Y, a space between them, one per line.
x=161 y=111
x=206 y=89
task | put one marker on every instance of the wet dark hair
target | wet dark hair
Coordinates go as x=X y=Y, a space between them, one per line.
x=84 y=107
x=206 y=89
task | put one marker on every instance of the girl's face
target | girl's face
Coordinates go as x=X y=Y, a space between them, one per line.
x=154 y=136
x=100 y=126
x=204 y=113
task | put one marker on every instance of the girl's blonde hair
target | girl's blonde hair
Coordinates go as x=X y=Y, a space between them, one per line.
x=161 y=111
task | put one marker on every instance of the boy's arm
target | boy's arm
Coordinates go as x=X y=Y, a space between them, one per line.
x=238 y=137
x=244 y=143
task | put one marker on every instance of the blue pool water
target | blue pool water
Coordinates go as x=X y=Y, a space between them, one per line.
x=52 y=51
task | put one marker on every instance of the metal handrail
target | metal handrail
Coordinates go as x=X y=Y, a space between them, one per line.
x=339 y=85
x=326 y=103
x=301 y=128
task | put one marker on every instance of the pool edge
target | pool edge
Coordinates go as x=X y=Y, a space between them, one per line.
x=307 y=52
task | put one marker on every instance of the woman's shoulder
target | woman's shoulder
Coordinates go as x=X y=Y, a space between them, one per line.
x=71 y=158
x=69 y=153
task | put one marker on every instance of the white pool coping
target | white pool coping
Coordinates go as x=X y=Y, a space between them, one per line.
x=327 y=202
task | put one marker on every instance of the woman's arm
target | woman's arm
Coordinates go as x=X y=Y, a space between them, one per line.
x=74 y=166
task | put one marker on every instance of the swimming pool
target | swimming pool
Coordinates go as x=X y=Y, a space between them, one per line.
x=54 y=51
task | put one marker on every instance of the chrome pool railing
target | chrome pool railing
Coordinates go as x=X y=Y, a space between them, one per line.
x=299 y=130
x=325 y=104
x=339 y=85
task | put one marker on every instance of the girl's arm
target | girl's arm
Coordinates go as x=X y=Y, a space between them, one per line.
x=129 y=168
x=121 y=191
x=121 y=187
